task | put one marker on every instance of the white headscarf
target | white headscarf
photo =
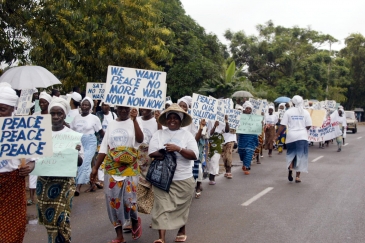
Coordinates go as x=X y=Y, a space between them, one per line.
x=298 y=102
x=169 y=102
x=8 y=95
x=45 y=96
x=271 y=107
x=56 y=101
x=90 y=100
x=282 y=104
x=186 y=99
x=247 y=104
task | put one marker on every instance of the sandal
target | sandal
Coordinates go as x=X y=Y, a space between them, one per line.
x=92 y=188
x=180 y=238
x=117 y=241
x=298 y=180
x=159 y=241
x=136 y=234
x=225 y=174
x=290 y=175
x=197 y=194
x=229 y=176
x=29 y=202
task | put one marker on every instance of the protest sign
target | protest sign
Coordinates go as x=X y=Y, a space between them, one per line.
x=25 y=137
x=204 y=107
x=95 y=91
x=264 y=106
x=305 y=103
x=64 y=159
x=221 y=108
x=37 y=108
x=250 y=124
x=317 y=117
x=327 y=132
x=255 y=106
x=135 y=88
x=24 y=102
x=234 y=118
x=330 y=104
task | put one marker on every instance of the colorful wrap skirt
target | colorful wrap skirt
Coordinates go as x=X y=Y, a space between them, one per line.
x=55 y=196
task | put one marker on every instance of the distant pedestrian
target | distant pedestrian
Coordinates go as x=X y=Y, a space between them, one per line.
x=270 y=121
x=298 y=121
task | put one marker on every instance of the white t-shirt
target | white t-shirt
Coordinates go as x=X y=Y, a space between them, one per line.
x=149 y=128
x=119 y=133
x=89 y=124
x=296 y=124
x=182 y=139
x=229 y=137
x=191 y=128
x=271 y=119
x=72 y=114
x=107 y=119
x=9 y=165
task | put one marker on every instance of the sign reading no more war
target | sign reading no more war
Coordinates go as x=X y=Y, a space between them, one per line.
x=25 y=137
x=250 y=124
x=64 y=159
x=95 y=91
x=135 y=88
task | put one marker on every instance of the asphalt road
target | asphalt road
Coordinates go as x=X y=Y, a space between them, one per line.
x=328 y=206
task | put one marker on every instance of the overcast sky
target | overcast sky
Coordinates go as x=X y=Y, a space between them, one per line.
x=338 y=18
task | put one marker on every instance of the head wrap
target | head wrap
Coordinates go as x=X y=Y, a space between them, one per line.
x=248 y=104
x=186 y=99
x=90 y=100
x=180 y=114
x=239 y=107
x=271 y=107
x=8 y=95
x=62 y=103
x=169 y=102
x=45 y=96
x=298 y=102
x=281 y=104
x=35 y=90
x=340 y=107
x=76 y=96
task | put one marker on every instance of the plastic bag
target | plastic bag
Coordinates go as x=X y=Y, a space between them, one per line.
x=161 y=172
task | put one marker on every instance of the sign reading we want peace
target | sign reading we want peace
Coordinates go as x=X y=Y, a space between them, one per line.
x=135 y=88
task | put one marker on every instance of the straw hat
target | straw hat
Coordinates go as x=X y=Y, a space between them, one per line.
x=186 y=121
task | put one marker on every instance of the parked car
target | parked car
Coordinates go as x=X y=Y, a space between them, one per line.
x=351 y=121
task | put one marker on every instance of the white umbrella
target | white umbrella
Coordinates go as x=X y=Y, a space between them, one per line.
x=29 y=77
x=242 y=94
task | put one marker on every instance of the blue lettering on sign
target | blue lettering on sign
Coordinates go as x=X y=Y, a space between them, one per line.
x=151 y=93
x=148 y=74
x=117 y=71
x=3 y=163
x=136 y=101
x=14 y=150
x=155 y=104
x=114 y=99
x=22 y=122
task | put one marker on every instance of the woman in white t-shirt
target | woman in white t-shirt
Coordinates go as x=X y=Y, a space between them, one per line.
x=270 y=121
x=87 y=124
x=298 y=121
x=119 y=151
x=44 y=101
x=171 y=209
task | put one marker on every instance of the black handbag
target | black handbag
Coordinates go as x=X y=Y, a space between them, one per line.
x=161 y=172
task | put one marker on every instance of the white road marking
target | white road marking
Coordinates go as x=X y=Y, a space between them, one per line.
x=248 y=202
x=320 y=157
x=359 y=137
x=346 y=144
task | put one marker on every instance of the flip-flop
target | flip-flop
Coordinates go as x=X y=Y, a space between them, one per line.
x=298 y=180
x=180 y=238
x=138 y=230
x=159 y=241
x=197 y=194
x=229 y=176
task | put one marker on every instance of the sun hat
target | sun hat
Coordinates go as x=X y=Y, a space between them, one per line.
x=175 y=108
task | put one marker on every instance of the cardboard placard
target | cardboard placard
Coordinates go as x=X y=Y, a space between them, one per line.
x=25 y=137
x=250 y=124
x=95 y=91
x=24 y=102
x=317 y=117
x=135 y=88
x=64 y=159
x=204 y=107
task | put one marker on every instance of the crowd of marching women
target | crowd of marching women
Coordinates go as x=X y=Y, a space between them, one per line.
x=119 y=149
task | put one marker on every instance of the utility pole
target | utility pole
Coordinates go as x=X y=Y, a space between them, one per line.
x=328 y=71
